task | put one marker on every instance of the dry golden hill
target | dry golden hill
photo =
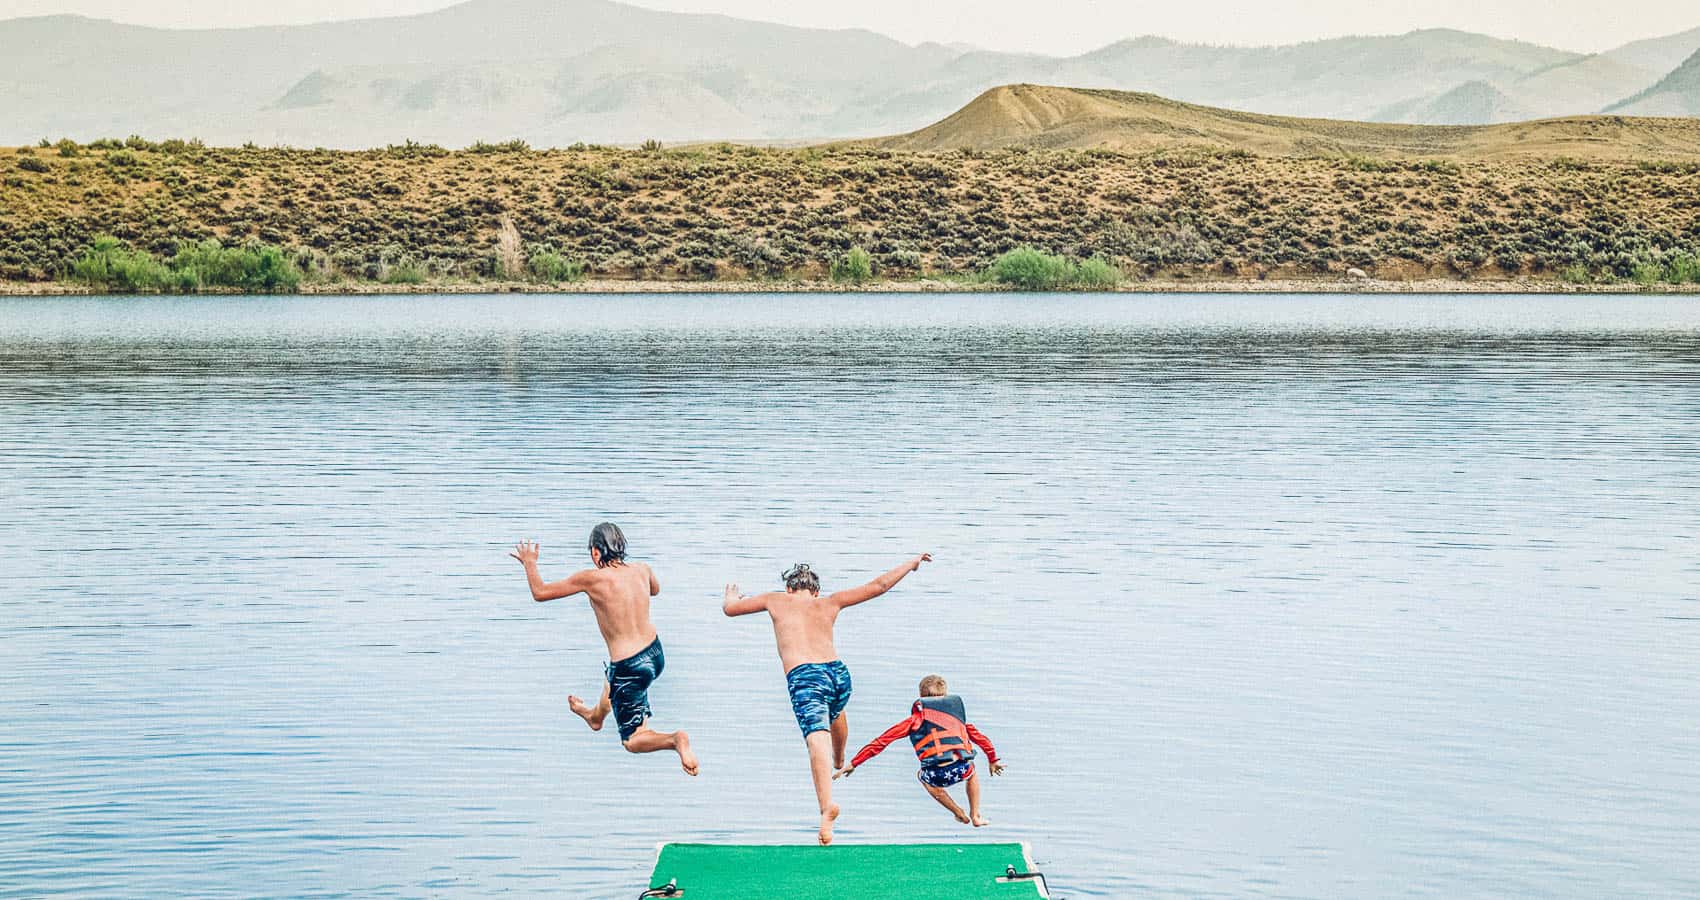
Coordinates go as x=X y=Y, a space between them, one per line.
x=1041 y=117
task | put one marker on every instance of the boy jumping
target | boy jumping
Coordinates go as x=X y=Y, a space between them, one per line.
x=938 y=728
x=619 y=593
x=817 y=679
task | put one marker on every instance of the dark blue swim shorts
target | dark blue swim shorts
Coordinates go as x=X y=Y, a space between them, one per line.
x=628 y=686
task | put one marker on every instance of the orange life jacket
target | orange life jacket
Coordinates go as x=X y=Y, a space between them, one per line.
x=942 y=737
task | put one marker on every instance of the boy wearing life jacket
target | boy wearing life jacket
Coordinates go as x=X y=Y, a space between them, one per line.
x=938 y=728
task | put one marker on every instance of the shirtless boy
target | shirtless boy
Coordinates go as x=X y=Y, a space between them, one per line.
x=817 y=679
x=619 y=592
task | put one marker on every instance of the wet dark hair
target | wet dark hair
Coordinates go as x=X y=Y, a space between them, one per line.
x=609 y=542
x=800 y=578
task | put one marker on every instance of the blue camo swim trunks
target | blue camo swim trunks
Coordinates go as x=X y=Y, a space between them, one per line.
x=819 y=693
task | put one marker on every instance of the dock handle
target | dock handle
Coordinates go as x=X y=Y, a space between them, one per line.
x=670 y=889
x=1010 y=874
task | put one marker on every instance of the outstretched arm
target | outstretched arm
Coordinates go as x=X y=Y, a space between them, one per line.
x=527 y=553
x=737 y=604
x=877 y=746
x=879 y=585
x=985 y=743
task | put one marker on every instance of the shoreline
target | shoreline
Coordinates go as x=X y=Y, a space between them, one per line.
x=909 y=286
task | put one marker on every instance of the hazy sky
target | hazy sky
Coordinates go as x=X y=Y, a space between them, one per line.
x=1049 y=26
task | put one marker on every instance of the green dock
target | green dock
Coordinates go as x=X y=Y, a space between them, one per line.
x=845 y=872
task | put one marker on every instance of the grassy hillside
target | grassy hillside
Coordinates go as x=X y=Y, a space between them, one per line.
x=1038 y=116
x=418 y=213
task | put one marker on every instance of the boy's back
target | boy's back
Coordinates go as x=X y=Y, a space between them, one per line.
x=802 y=627
x=817 y=680
x=619 y=592
x=619 y=596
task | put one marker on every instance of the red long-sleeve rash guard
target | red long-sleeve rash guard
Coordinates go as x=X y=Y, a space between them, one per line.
x=937 y=736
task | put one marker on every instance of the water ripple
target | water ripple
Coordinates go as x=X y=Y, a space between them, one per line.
x=1312 y=596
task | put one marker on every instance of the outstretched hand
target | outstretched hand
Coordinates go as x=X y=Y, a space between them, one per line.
x=997 y=768
x=732 y=593
x=923 y=558
x=843 y=773
x=527 y=552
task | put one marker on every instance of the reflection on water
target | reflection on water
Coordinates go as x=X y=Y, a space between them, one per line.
x=1260 y=596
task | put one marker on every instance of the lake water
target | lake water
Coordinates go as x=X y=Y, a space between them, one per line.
x=1259 y=596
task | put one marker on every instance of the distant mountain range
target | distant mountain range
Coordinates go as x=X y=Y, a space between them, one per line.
x=555 y=72
x=1676 y=94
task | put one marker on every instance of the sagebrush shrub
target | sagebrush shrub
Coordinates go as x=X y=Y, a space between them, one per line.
x=1032 y=270
x=550 y=266
x=109 y=264
x=855 y=266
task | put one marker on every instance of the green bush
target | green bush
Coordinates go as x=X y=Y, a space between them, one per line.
x=258 y=268
x=178 y=146
x=1097 y=273
x=1033 y=270
x=108 y=264
x=272 y=270
x=1028 y=269
x=514 y=146
x=1576 y=274
x=31 y=164
x=412 y=149
x=1667 y=167
x=552 y=267
x=855 y=267
x=405 y=272
x=1677 y=268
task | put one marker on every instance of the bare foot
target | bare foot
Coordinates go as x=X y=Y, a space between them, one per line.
x=980 y=822
x=961 y=816
x=687 y=759
x=826 y=820
x=591 y=715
